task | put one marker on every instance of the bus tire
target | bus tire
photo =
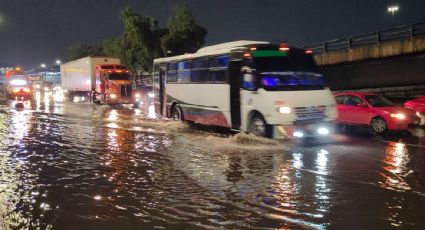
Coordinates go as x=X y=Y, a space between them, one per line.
x=259 y=127
x=177 y=113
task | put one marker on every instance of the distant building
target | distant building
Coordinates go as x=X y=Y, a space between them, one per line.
x=3 y=69
x=51 y=73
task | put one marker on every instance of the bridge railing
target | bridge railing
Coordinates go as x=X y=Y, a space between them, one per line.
x=370 y=39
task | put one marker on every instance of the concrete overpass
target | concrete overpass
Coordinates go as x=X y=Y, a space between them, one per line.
x=392 y=60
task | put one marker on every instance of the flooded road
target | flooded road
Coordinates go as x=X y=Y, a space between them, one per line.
x=82 y=166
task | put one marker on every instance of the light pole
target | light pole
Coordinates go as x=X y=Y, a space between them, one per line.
x=393 y=9
x=44 y=70
x=58 y=62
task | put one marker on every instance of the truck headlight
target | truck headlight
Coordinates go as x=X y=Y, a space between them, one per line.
x=284 y=110
x=398 y=116
x=137 y=95
x=113 y=96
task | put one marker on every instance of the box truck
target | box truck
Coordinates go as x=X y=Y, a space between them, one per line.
x=99 y=79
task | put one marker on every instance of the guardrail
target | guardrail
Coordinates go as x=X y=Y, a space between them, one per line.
x=369 y=39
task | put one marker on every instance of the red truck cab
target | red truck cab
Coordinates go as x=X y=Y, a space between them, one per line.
x=113 y=85
x=18 y=86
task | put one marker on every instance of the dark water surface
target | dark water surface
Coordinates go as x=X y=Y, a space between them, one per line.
x=80 y=166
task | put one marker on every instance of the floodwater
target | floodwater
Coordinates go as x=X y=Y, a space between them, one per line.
x=81 y=166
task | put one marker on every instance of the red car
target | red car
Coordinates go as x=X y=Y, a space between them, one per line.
x=417 y=104
x=376 y=111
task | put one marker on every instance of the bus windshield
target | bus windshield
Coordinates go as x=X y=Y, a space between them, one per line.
x=293 y=71
x=119 y=76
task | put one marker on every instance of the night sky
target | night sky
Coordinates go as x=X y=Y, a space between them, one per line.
x=40 y=31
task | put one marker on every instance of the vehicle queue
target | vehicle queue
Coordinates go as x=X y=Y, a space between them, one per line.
x=270 y=90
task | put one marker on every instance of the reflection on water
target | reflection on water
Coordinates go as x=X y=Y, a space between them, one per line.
x=80 y=166
x=395 y=169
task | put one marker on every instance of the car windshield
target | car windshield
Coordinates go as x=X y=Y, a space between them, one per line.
x=378 y=101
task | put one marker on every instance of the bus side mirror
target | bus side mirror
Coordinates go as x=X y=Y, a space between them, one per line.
x=249 y=81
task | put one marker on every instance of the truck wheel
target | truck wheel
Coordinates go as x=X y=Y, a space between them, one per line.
x=379 y=126
x=177 y=113
x=259 y=127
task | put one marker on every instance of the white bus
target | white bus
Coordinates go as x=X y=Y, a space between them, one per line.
x=270 y=90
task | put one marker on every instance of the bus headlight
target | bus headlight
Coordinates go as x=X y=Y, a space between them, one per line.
x=323 y=131
x=113 y=96
x=298 y=134
x=284 y=110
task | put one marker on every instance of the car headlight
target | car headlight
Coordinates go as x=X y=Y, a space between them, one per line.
x=418 y=114
x=284 y=110
x=398 y=116
x=113 y=96
x=37 y=86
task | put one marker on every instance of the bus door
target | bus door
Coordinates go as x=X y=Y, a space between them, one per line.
x=162 y=71
x=235 y=97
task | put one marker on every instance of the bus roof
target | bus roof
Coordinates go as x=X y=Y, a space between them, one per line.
x=212 y=50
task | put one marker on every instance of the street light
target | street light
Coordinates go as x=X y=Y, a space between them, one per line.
x=58 y=62
x=393 y=10
x=43 y=65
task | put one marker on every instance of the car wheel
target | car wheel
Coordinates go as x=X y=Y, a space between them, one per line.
x=177 y=113
x=378 y=125
x=258 y=126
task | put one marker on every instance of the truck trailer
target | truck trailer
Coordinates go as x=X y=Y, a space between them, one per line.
x=99 y=79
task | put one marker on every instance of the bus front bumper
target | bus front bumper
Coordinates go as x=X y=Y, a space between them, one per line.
x=317 y=129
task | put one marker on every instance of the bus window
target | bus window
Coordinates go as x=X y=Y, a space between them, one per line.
x=183 y=74
x=199 y=71
x=218 y=69
x=172 y=72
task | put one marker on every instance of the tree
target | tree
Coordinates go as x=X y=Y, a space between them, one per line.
x=139 y=41
x=84 y=50
x=184 y=35
x=112 y=48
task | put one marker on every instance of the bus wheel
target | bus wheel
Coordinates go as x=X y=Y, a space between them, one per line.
x=176 y=113
x=259 y=127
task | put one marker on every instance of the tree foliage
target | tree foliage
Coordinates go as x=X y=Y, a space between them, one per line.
x=142 y=39
x=112 y=48
x=184 y=35
x=84 y=50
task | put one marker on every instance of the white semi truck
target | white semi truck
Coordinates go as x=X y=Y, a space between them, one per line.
x=101 y=79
